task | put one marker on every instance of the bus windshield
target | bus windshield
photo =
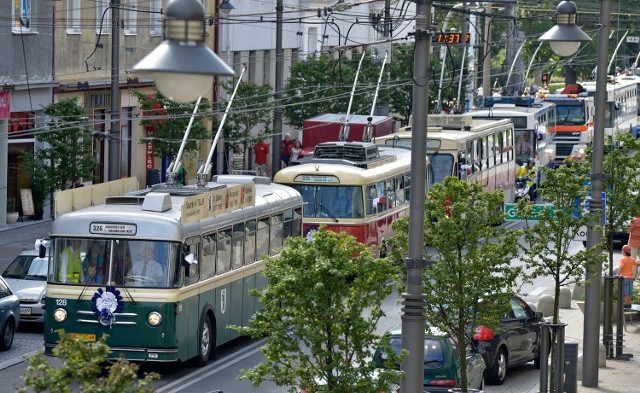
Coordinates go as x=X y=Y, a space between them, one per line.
x=570 y=115
x=133 y=263
x=324 y=201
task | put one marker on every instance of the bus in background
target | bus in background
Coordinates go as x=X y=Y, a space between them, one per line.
x=164 y=270
x=531 y=120
x=356 y=187
x=574 y=122
x=622 y=102
x=475 y=150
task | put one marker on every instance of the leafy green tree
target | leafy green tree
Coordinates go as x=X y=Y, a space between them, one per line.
x=471 y=280
x=400 y=86
x=321 y=307
x=82 y=366
x=547 y=241
x=170 y=121
x=251 y=108
x=67 y=155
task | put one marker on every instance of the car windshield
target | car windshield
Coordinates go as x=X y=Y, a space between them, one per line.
x=27 y=267
x=434 y=353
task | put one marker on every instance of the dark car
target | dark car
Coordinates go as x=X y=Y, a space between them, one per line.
x=9 y=315
x=441 y=365
x=515 y=341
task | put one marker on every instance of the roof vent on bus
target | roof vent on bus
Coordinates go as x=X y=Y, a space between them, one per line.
x=525 y=101
x=351 y=151
x=450 y=121
x=157 y=202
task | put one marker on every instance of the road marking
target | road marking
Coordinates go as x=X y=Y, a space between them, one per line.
x=207 y=370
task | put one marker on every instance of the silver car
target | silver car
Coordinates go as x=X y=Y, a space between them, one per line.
x=9 y=315
x=27 y=276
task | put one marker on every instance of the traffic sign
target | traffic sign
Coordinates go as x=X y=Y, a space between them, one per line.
x=511 y=214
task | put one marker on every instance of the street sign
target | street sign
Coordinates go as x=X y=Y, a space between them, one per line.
x=510 y=211
x=633 y=39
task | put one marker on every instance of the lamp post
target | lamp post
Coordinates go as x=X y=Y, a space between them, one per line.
x=565 y=38
x=182 y=66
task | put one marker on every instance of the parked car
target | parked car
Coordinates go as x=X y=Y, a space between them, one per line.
x=515 y=341
x=441 y=365
x=9 y=315
x=27 y=276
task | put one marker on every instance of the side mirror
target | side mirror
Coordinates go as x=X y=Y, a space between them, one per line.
x=538 y=315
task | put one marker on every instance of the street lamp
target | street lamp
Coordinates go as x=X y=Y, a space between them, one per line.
x=182 y=66
x=565 y=37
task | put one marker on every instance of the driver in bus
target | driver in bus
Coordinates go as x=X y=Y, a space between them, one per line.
x=148 y=270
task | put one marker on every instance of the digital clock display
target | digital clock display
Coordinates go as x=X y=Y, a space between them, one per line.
x=450 y=38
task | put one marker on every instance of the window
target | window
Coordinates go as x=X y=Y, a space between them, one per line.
x=276 y=234
x=250 y=242
x=73 y=17
x=208 y=263
x=21 y=16
x=103 y=17
x=191 y=271
x=262 y=237
x=155 y=18
x=130 y=18
x=296 y=228
x=223 y=260
x=237 y=256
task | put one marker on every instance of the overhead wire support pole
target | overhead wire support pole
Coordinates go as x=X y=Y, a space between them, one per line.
x=413 y=300
x=277 y=95
x=114 y=132
x=593 y=276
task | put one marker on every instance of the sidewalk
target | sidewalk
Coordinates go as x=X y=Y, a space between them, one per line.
x=618 y=375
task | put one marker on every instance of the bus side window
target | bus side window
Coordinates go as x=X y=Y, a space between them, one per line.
x=497 y=143
x=509 y=144
x=208 y=263
x=296 y=227
x=262 y=237
x=407 y=187
x=391 y=193
x=191 y=270
x=371 y=197
x=237 y=254
x=491 y=151
x=250 y=242
x=288 y=218
x=223 y=259
x=276 y=231
x=400 y=190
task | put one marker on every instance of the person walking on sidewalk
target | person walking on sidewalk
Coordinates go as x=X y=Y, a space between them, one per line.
x=634 y=236
x=627 y=263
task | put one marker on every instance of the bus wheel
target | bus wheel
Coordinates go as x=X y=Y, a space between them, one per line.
x=206 y=341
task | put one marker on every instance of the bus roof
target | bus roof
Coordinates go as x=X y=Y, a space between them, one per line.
x=159 y=214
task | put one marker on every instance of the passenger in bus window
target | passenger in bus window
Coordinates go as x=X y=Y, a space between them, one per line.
x=147 y=271
x=523 y=147
x=70 y=264
x=92 y=264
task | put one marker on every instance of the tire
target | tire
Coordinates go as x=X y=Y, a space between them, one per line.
x=6 y=336
x=205 y=343
x=497 y=373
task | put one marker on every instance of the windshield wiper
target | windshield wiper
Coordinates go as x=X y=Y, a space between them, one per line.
x=323 y=207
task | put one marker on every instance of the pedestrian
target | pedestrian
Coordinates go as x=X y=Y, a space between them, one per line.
x=634 y=236
x=296 y=151
x=285 y=153
x=237 y=160
x=261 y=153
x=627 y=264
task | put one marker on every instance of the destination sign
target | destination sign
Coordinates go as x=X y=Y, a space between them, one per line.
x=316 y=179
x=105 y=228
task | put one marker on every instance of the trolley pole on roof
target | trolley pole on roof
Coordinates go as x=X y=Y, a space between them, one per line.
x=413 y=300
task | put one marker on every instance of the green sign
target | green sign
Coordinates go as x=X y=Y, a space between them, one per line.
x=510 y=211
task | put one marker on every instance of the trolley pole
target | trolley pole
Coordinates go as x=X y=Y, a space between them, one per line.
x=413 y=300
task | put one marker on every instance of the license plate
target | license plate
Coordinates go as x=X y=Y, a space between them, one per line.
x=82 y=336
x=25 y=311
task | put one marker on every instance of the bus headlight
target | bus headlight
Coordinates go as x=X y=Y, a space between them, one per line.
x=60 y=315
x=154 y=318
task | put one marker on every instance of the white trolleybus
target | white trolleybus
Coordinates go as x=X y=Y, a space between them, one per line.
x=475 y=150
x=356 y=187
x=531 y=119
x=621 y=110
x=163 y=271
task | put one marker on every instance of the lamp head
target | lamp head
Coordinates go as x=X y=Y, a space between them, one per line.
x=225 y=7
x=182 y=65
x=565 y=37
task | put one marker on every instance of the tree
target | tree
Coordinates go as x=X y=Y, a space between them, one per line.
x=251 y=108
x=471 y=280
x=67 y=154
x=546 y=243
x=321 y=306
x=82 y=366
x=400 y=88
x=169 y=121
